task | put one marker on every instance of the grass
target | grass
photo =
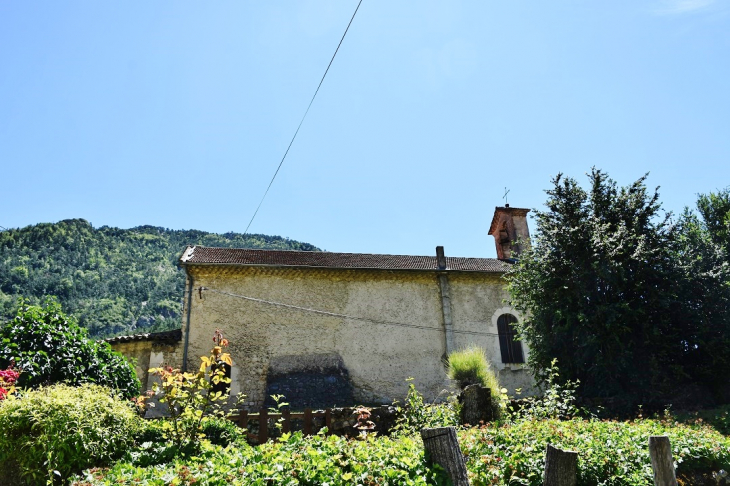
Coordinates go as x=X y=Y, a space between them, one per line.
x=470 y=366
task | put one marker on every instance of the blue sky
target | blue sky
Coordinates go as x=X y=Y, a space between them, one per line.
x=176 y=113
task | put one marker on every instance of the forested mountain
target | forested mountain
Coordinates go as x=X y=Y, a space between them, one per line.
x=115 y=281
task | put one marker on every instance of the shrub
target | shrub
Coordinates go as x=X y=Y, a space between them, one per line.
x=221 y=431
x=49 y=347
x=470 y=366
x=415 y=414
x=315 y=460
x=609 y=453
x=191 y=396
x=53 y=432
x=557 y=400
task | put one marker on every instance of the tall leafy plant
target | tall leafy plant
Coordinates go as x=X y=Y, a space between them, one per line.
x=49 y=347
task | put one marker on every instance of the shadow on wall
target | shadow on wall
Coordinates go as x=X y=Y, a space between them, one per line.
x=309 y=381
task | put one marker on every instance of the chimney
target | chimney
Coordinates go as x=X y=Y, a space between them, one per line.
x=509 y=228
x=440 y=258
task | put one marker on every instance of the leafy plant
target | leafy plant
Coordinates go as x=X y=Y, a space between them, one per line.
x=48 y=347
x=415 y=414
x=53 y=432
x=315 y=460
x=558 y=400
x=610 y=453
x=8 y=378
x=470 y=366
x=191 y=396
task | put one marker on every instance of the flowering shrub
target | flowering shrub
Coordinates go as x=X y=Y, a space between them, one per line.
x=8 y=378
x=49 y=347
x=192 y=396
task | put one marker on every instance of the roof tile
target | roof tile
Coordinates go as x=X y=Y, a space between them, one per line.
x=204 y=255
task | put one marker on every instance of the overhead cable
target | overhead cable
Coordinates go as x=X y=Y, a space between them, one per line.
x=303 y=117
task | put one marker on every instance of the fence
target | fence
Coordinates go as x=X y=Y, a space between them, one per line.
x=285 y=418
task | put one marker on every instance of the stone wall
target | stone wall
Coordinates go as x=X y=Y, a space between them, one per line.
x=315 y=359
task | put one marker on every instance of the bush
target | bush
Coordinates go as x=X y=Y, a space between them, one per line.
x=470 y=366
x=415 y=414
x=315 y=460
x=609 y=453
x=221 y=431
x=53 y=432
x=49 y=347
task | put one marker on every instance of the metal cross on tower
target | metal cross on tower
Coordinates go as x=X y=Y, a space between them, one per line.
x=505 y=197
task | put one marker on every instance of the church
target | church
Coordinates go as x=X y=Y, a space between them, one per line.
x=334 y=329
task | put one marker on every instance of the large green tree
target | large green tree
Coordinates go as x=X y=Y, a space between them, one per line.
x=607 y=288
x=48 y=347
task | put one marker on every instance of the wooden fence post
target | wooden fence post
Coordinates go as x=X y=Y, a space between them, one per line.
x=442 y=447
x=660 y=452
x=307 y=429
x=561 y=467
x=263 y=426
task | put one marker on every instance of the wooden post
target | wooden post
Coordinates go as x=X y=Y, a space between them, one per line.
x=328 y=420
x=286 y=421
x=442 y=447
x=307 y=429
x=561 y=467
x=660 y=452
x=263 y=426
x=476 y=405
x=243 y=420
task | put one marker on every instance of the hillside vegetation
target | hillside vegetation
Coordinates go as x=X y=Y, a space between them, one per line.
x=115 y=281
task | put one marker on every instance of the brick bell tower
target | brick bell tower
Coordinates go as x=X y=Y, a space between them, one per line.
x=509 y=228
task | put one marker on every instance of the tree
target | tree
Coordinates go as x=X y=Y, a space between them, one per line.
x=715 y=211
x=49 y=347
x=702 y=254
x=605 y=289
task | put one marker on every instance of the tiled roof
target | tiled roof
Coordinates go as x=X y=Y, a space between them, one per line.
x=158 y=337
x=204 y=255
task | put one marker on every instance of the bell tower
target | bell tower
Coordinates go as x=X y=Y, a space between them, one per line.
x=509 y=228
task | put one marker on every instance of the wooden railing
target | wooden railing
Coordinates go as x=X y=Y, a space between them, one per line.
x=285 y=418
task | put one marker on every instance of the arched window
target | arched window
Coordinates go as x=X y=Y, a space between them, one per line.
x=509 y=346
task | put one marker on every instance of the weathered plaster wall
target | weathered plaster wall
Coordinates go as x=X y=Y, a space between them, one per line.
x=148 y=354
x=378 y=358
x=477 y=301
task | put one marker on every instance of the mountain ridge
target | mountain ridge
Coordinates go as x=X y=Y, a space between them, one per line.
x=113 y=280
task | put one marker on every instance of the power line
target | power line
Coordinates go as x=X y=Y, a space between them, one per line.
x=303 y=117
x=341 y=316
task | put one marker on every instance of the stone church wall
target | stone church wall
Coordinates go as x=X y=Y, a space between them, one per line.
x=321 y=360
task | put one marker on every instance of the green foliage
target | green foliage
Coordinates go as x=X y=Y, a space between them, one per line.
x=191 y=396
x=470 y=366
x=415 y=414
x=56 y=431
x=556 y=402
x=610 y=453
x=315 y=460
x=715 y=211
x=48 y=347
x=221 y=431
x=115 y=281
x=702 y=253
x=606 y=289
